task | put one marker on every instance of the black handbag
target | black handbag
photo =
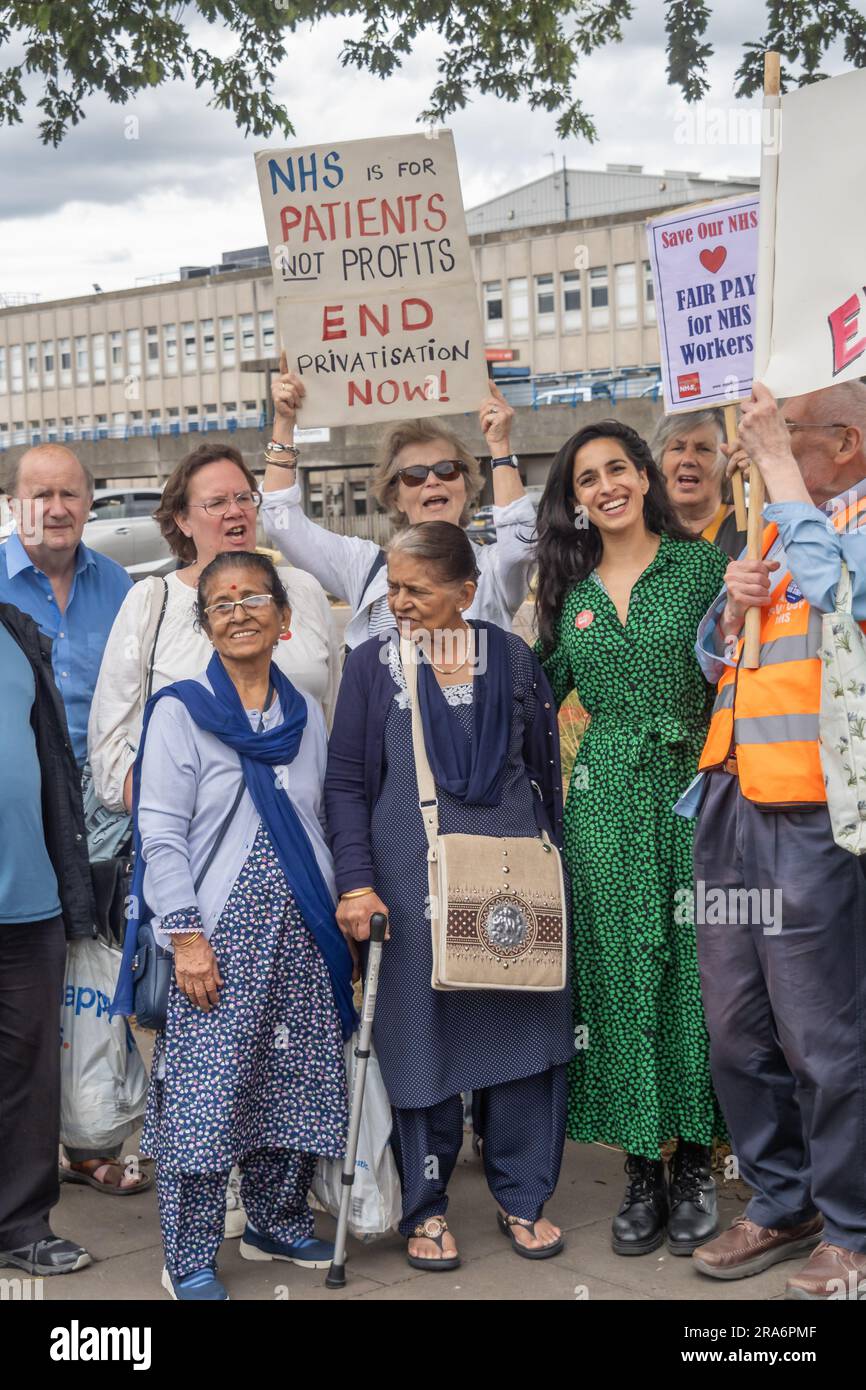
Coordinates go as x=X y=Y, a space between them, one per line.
x=152 y=964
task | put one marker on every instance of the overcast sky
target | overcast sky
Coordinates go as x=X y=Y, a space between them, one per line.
x=107 y=209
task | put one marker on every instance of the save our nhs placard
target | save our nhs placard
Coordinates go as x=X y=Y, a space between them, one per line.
x=375 y=296
x=704 y=266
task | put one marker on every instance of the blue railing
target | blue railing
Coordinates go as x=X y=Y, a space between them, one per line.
x=154 y=429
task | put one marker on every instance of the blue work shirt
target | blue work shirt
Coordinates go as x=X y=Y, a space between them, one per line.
x=28 y=884
x=78 y=636
x=808 y=545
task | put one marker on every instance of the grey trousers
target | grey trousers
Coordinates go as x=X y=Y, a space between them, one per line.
x=783 y=976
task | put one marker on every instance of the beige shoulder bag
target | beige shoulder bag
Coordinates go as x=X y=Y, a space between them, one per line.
x=498 y=909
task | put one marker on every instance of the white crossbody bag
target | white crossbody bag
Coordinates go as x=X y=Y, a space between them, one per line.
x=498 y=907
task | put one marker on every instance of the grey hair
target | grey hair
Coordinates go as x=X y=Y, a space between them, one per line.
x=13 y=476
x=843 y=404
x=671 y=425
x=446 y=548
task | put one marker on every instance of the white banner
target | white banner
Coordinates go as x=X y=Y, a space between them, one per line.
x=376 y=300
x=818 y=333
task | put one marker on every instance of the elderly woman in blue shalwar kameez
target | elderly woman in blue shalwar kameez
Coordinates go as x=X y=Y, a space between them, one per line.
x=492 y=743
x=249 y=1068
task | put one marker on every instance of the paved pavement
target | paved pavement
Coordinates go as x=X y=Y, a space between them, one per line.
x=122 y=1234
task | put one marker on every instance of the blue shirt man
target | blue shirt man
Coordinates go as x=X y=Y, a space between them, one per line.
x=72 y=593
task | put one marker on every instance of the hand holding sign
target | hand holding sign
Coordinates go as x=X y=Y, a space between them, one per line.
x=763 y=432
x=288 y=393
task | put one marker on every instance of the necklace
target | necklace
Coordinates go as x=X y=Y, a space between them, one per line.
x=452 y=670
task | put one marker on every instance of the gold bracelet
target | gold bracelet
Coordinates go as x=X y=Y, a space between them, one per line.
x=278 y=463
x=357 y=893
x=188 y=940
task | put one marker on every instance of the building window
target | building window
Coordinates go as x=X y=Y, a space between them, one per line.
x=599 y=313
x=649 y=295
x=32 y=351
x=518 y=307
x=251 y=413
x=266 y=325
x=208 y=345
x=189 y=352
x=16 y=369
x=572 y=312
x=192 y=421
x=210 y=413
x=154 y=418
x=230 y=409
x=116 y=355
x=248 y=337
x=169 y=348
x=102 y=427
x=2 y=369
x=51 y=430
x=68 y=427
x=118 y=422
x=98 y=355
x=227 y=342
x=64 y=352
x=152 y=350
x=545 y=304
x=82 y=375
x=48 y=363
x=494 y=327
x=133 y=351
x=626 y=294
x=137 y=426
x=84 y=426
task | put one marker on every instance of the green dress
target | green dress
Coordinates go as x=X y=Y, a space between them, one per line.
x=641 y=1070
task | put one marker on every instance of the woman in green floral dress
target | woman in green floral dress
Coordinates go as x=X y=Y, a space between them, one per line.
x=621 y=590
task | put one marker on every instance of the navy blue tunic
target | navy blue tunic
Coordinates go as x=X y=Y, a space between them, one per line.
x=433 y=1044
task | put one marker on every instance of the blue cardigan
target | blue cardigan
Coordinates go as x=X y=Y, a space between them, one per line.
x=355 y=755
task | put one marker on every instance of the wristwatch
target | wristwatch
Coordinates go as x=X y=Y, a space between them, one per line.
x=510 y=459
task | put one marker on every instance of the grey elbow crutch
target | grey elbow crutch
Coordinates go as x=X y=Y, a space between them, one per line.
x=336 y=1276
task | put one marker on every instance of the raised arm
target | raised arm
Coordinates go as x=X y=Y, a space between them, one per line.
x=510 y=561
x=340 y=563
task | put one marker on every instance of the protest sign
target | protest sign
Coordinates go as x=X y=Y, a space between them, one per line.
x=375 y=296
x=704 y=268
x=817 y=282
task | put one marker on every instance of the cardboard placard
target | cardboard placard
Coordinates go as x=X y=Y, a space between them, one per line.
x=704 y=267
x=375 y=296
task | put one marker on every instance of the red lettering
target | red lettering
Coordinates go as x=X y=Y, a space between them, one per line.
x=398 y=217
x=362 y=393
x=426 y=312
x=380 y=392
x=365 y=313
x=366 y=220
x=843 y=326
x=287 y=225
x=438 y=212
x=312 y=223
x=332 y=322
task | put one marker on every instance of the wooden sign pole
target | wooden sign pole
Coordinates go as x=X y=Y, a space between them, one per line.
x=737 y=479
x=767 y=225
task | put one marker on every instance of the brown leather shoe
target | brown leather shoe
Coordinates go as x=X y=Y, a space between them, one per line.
x=746 y=1248
x=832 y=1272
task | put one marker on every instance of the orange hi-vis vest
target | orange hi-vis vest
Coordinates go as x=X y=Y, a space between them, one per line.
x=769 y=717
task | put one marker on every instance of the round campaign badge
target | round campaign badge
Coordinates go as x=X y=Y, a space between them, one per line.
x=793 y=593
x=583 y=619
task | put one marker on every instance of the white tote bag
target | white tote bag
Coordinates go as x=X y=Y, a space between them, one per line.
x=842 y=722
x=103 y=1081
x=376 y=1200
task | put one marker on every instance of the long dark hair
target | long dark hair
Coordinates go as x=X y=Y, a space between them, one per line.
x=567 y=553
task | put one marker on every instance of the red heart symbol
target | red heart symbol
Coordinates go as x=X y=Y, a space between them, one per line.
x=714 y=260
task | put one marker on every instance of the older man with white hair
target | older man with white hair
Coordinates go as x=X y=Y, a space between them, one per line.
x=785 y=991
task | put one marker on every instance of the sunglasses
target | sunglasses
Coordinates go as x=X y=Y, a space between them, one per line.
x=446 y=469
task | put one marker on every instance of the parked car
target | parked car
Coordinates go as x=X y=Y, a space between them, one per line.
x=570 y=395
x=120 y=503
x=135 y=542
x=481 y=528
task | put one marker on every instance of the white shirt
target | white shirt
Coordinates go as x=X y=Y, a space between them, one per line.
x=189 y=781
x=341 y=563
x=310 y=659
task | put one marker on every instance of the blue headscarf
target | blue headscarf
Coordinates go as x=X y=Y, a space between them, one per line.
x=223 y=714
x=471 y=768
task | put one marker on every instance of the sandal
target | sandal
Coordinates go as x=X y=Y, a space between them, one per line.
x=434 y=1229
x=545 y=1252
x=104 y=1166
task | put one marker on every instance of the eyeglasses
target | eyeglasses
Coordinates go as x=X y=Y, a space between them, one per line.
x=446 y=469
x=254 y=603
x=792 y=425
x=218 y=506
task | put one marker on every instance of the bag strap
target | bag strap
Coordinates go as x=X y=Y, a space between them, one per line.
x=148 y=690
x=371 y=574
x=221 y=834
x=844 y=595
x=428 y=802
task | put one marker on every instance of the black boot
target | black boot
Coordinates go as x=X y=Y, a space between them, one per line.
x=639 y=1225
x=694 y=1216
